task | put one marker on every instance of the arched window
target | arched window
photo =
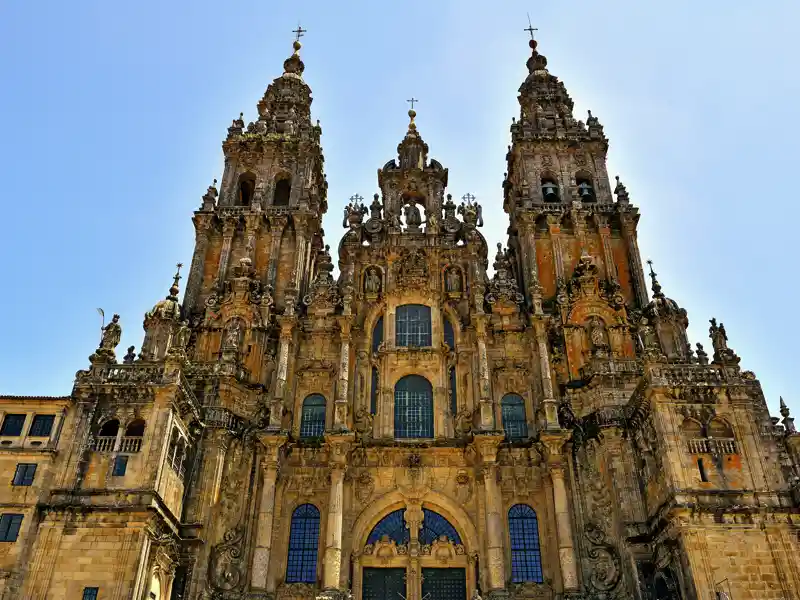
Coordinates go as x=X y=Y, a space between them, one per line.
x=109 y=429
x=453 y=391
x=132 y=441
x=413 y=325
x=449 y=334
x=377 y=334
x=549 y=189
x=301 y=563
x=312 y=419
x=435 y=526
x=513 y=411
x=373 y=393
x=393 y=526
x=585 y=189
x=135 y=428
x=526 y=557
x=283 y=188
x=247 y=188
x=107 y=436
x=413 y=408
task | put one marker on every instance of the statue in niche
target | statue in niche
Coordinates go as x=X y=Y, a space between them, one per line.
x=597 y=337
x=232 y=336
x=453 y=280
x=372 y=281
x=413 y=216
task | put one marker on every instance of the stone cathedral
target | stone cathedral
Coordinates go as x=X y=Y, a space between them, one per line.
x=413 y=428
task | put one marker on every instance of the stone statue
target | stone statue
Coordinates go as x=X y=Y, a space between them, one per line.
x=413 y=216
x=476 y=596
x=719 y=339
x=232 y=336
x=112 y=334
x=181 y=337
x=597 y=333
x=130 y=356
x=453 y=280
x=372 y=281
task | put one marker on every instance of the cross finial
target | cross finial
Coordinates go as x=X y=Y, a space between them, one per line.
x=412 y=100
x=650 y=264
x=299 y=32
x=356 y=198
x=468 y=198
x=530 y=28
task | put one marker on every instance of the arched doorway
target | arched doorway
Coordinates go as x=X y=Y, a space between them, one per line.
x=413 y=553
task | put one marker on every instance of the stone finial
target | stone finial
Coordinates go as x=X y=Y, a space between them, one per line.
x=788 y=422
x=621 y=192
x=702 y=355
x=210 y=197
x=655 y=285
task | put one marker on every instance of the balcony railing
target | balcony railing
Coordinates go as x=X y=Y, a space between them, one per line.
x=712 y=446
x=106 y=443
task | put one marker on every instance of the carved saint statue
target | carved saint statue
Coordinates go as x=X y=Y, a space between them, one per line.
x=232 y=336
x=181 y=337
x=112 y=334
x=413 y=216
x=597 y=333
x=372 y=281
x=719 y=339
x=453 y=280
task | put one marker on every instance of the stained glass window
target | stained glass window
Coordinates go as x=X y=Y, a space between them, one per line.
x=526 y=556
x=514 y=422
x=312 y=421
x=392 y=525
x=413 y=408
x=413 y=325
x=434 y=526
x=301 y=564
x=449 y=334
x=377 y=334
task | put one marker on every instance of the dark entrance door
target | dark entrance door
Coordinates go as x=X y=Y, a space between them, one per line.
x=444 y=584
x=383 y=584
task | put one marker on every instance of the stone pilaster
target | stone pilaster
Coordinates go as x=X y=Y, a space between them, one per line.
x=228 y=230
x=266 y=510
x=554 y=442
x=485 y=400
x=634 y=259
x=486 y=446
x=342 y=386
x=548 y=401
x=332 y=559
x=202 y=225
x=605 y=240
x=277 y=225
x=554 y=226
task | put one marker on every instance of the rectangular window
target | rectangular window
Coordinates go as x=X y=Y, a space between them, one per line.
x=90 y=593
x=42 y=425
x=12 y=425
x=120 y=466
x=413 y=325
x=24 y=474
x=9 y=527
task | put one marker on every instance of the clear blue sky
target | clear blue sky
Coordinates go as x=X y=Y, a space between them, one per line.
x=112 y=115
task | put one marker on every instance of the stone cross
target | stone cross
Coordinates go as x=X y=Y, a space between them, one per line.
x=412 y=100
x=299 y=32
x=530 y=28
x=468 y=198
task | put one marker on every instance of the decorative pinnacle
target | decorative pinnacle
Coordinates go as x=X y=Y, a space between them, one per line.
x=173 y=291
x=298 y=33
x=656 y=286
x=784 y=408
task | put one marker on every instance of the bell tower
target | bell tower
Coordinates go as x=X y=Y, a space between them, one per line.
x=559 y=198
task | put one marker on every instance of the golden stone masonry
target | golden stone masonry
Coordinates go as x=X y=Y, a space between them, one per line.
x=415 y=429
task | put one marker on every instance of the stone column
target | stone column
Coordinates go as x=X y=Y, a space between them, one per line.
x=277 y=226
x=486 y=446
x=534 y=285
x=252 y=225
x=634 y=259
x=228 y=229
x=554 y=225
x=340 y=403
x=484 y=397
x=276 y=411
x=554 y=443
x=548 y=401
x=202 y=225
x=266 y=510
x=605 y=239
x=332 y=559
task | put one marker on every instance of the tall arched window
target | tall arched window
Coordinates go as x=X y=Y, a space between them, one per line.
x=413 y=408
x=312 y=420
x=413 y=325
x=549 y=189
x=301 y=564
x=585 y=188
x=283 y=189
x=526 y=556
x=247 y=188
x=514 y=422
x=435 y=526
x=392 y=526
x=453 y=391
x=449 y=334
x=377 y=334
x=373 y=392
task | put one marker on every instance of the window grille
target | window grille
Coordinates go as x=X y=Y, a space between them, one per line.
x=392 y=525
x=413 y=325
x=24 y=474
x=312 y=421
x=526 y=556
x=301 y=564
x=434 y=526
x=9 y=527
x=90 y=593
x=413 y=408
x=120 y=466
x=42 y=425
x=12 y=425
x=513 y=411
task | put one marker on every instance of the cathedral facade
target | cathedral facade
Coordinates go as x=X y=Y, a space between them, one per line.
x=414 y=428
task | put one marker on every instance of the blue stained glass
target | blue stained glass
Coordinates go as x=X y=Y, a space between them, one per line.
x=434 y=526
x=513 y=411
x=526 y=556
x=413 y=408
x=377 y=334
x=392 y=525
x=312 y=420
x=301 y=563
x=413 y=325
x=449 y=334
